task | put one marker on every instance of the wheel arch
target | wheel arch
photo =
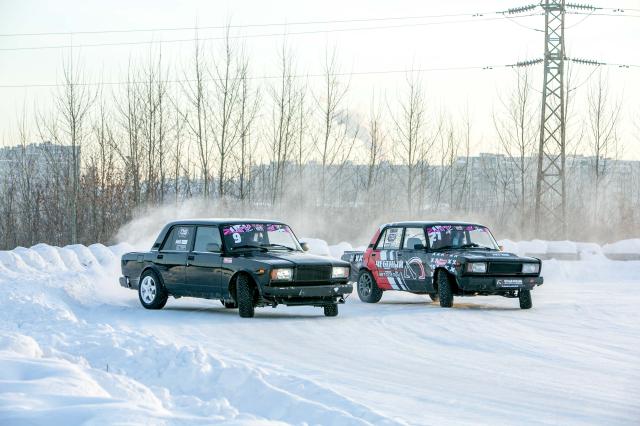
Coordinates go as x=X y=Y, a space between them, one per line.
x=153 y=269
x=232 y=286
x=452 y=279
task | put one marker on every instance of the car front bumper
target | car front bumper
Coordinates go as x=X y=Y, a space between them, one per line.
x=292 y=294
x=498 y=284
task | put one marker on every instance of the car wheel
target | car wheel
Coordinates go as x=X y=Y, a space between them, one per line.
x=445 y=293
x=368 y=290
x=229 y=304
x=244 y=297
x=525 y=299
x=331 y=310
x=434 y=297
x=151 y=292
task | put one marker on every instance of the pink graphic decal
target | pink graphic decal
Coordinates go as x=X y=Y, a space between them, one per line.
x=251 y=227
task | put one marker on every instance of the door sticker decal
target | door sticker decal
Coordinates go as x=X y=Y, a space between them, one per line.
x=410 y=270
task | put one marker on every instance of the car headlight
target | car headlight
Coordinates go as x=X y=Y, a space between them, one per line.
x=477 y=267
x=340 y=272
x=530 y=268
x=282 y=274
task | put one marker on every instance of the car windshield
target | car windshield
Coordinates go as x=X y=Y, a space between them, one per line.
x=460 y=236
x=264 y=236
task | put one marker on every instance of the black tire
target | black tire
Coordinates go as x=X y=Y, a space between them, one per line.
x=524 y=296
x=434 y=297
x=229 y=304
x=368 y=290
x=244 y=290
x=331 y=310
x=151 y=292
x=445 y=293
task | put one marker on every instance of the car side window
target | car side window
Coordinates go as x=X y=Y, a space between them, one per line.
x=206 y=235
x=390 y=240
x=179 y=238
x=413 y=237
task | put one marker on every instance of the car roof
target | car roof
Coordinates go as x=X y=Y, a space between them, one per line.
x=422 y=223
x=221 y=221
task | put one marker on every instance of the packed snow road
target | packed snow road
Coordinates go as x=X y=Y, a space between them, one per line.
x=77 y=348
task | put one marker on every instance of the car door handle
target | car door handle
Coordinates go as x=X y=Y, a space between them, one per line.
x=191 y=257
x=373 y=255
x=160 y=256
x=399 y=254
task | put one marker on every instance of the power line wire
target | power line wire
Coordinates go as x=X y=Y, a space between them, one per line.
x=341 y=74
x=267 y=77
x=254 y=25
x=279 y=34
x=617 y=15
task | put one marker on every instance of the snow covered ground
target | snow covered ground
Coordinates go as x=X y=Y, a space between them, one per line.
x=76 y=348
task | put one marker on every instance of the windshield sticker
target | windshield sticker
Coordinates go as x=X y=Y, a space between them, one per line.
x=183 y=232
x=237 y=229
x=448 y=228
x=253 y=227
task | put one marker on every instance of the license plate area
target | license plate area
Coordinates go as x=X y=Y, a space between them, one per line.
x=508 y=283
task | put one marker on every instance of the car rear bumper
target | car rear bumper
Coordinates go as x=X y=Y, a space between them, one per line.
x=293 y=294
x=498 y=284
x=124 y=282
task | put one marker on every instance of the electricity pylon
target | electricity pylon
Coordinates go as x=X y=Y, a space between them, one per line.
x=550 y=208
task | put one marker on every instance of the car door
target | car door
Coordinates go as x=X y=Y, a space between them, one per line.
x=413 y=254
x=387 y=269
x=204 y=267
x=171 y=259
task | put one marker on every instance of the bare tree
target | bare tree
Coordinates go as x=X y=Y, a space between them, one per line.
x=285 y=98
x=226 y=75
x=375 y=145
x=409 y=133
x=196 y=115
x=332 y=144
x=248 y=109
x=517 y=128
x=73 y=102
x=603 y=113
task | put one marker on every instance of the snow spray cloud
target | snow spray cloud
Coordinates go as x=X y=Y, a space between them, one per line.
x=332 y=224
x=141 y=231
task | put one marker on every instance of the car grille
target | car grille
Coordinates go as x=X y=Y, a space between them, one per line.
x=313 y=273
x=504 y=268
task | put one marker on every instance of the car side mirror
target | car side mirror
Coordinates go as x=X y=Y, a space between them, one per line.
x=213 y=247
x=304 y=246
x=419 y=246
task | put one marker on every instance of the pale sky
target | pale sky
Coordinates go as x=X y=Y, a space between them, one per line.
x=403 y=44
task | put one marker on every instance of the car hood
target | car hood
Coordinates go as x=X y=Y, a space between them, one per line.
x=492 y=256
x=294 y=258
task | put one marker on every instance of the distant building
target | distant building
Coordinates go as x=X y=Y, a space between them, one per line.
x=45 y=161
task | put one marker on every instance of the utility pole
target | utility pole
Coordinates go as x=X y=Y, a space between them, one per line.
x=550 y=208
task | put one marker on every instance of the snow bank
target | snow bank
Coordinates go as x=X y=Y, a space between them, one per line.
x=63 y=362
x=569 y=250
x=338 y=250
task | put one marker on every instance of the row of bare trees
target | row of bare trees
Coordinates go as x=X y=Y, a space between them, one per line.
x=288 y=145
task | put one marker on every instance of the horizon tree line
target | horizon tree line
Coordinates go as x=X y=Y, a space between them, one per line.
x=287 y=145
